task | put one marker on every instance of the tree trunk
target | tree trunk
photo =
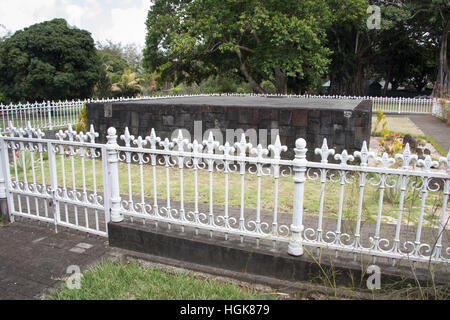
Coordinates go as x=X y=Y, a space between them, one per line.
x=253 y=84
x=280 y=81
x=387 y=82
x=353 y=86
x=442 y=87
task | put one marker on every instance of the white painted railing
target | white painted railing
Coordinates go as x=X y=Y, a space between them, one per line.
x=77 y=183
x=47 y=115
x=50 y=115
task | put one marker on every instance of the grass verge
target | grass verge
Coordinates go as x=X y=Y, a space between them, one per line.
x=113 y=280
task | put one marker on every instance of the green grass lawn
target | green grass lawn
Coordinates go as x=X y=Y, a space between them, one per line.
x=118 y=281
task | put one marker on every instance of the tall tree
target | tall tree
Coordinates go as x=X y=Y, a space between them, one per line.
x=49 y=60
x=409 y=30
x=433 y=16
x=359 y=46
x=401 y=52
x=189 y=40
x=352 y=47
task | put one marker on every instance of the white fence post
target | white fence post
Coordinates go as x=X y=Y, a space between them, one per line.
x=53 y=182
x=49 y=109
x=113 y=175
x=4 y=211
x=295 y=243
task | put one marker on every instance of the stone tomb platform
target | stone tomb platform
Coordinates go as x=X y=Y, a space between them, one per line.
x=344 y=123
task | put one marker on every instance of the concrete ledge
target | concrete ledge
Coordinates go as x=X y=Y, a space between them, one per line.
x=246 y=258
x=214 y=253
x=301 y=289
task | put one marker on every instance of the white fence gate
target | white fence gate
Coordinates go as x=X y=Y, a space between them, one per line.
x=77 y=183
x=42 y=185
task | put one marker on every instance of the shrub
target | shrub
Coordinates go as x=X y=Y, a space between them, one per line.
x=268 y=87
x=82 y=120
x=381 y=119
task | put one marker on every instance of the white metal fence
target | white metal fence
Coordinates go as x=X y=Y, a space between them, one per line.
x=77 y=183
x=41 y=185
x=50 y=115
x=46 y=115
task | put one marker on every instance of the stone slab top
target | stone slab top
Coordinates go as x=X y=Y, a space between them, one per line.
x=259 y=102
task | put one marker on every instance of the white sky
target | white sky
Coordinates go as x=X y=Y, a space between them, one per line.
x=117 y=20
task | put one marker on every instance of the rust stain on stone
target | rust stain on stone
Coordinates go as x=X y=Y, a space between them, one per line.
x=300 y=118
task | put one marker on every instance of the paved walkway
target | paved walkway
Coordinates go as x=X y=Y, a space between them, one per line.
x=34 y=260
x=434 y=127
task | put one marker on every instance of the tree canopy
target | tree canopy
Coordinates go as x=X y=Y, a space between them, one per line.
x=49 y=60
x=402 y=50
x=432 y=20
x=262 y=40
x=264 y=46
x=298 y=45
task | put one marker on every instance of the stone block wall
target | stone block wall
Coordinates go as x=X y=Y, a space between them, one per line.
x=343 y=129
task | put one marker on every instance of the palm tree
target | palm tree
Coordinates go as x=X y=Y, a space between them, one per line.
x=128 y=85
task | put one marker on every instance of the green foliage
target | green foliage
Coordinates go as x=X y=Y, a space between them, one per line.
x=82 y=120
x=381 y=119
x=214 y=84
x=103 y=88
x=188 y=41
x=128 y=84
x=3 y=98
x=122 y=57
x=117 y=281
x=244 y=88
x=402 y=51
x=179 y=90
x=432 y=21
x=115 y=63
x=221 y=84
x=49 y=60
x=348 y=62
x=392 y=195
x=268 y=87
